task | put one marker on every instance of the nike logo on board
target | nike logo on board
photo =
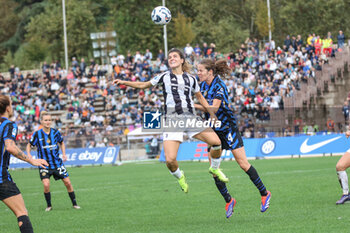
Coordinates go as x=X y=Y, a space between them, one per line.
x=305 y=148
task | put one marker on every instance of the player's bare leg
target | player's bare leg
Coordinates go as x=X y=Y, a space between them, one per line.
x=171 y=148
x=211 y=138
x=16 y=204
x=342 y=165
x=71 y=193
x=221 y=186
x=47 y=194
x=170 y=151
x=241 y=159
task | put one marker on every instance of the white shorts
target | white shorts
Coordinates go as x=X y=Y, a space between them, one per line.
x=175 y=131
x=178 y=136
x=348 y=150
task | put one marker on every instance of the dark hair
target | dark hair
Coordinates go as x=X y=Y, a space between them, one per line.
x=4 y=102
x=185 y=66
x=219 y=67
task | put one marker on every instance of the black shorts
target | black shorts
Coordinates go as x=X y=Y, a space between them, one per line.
x=230 y=139
x=8 y=189
x=57 y=173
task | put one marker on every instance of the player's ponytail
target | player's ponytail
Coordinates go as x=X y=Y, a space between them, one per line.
x=219 y=68
x=186 y=67
x=4 y=102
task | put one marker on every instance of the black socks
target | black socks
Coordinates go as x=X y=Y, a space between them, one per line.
x=254 y=177
x=72 y=197
x=48 y=199
x=223 y=189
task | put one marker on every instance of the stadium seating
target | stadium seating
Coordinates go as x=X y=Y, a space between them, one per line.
x=106 y=107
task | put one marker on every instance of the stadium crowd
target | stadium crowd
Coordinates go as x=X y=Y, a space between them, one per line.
x=262 y=74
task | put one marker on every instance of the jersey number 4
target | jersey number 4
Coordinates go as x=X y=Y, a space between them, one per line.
x=229 y=137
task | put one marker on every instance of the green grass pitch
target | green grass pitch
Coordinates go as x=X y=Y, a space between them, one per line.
x=144 y=197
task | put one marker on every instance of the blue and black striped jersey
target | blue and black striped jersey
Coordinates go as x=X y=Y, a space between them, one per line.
x=47 y=146
x=218 y=90
x=8 y=130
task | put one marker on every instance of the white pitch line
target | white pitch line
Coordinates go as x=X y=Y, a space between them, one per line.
x=192 y=180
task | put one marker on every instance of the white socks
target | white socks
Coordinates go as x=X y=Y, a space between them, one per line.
x=343 y=180
x=215 y=163
x=176 y=173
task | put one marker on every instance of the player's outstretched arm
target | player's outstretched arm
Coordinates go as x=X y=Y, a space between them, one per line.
x=139 y=85
x=12 y=148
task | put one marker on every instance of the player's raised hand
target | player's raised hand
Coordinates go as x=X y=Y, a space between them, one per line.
x=118 y=82
x=39 y=162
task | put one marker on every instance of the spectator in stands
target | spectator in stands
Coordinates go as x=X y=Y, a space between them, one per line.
x=137 y=57
x=188 y=50
x=299 y=41
x=197 y=50
x=211 y=50
x=154 y=146
x=287 y=42
x=261 y=73
x=82 y=66
x=148 y=56
x=100 y=120
x=12 y=71
x=316 y=127
x=205 y=49
x=75 y=63
x=330 y=125
x=327 y=46
x=318 y=45
x=345 y=111
x=309 y=40
x=161 y=55
x=341 y=39
x=100 y=144
x=297 y=124
x=114 y=62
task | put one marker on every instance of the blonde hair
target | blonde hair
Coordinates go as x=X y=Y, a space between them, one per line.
x=44 y=113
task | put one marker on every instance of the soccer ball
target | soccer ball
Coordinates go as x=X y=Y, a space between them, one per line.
x=161 y=15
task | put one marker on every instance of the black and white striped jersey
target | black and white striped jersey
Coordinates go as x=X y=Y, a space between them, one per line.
x=178 y=91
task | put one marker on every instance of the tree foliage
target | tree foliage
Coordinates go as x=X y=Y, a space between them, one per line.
x=7 y=24
x=48 y=28
x=183 y=31
x=36 y=25
x=261 y=19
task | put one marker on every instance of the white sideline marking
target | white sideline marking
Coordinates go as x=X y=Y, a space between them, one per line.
x=192 y=180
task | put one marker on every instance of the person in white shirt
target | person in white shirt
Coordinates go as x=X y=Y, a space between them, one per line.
x=148 y=55
x=113 y=61
x=120 y=59
x=188 y=50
